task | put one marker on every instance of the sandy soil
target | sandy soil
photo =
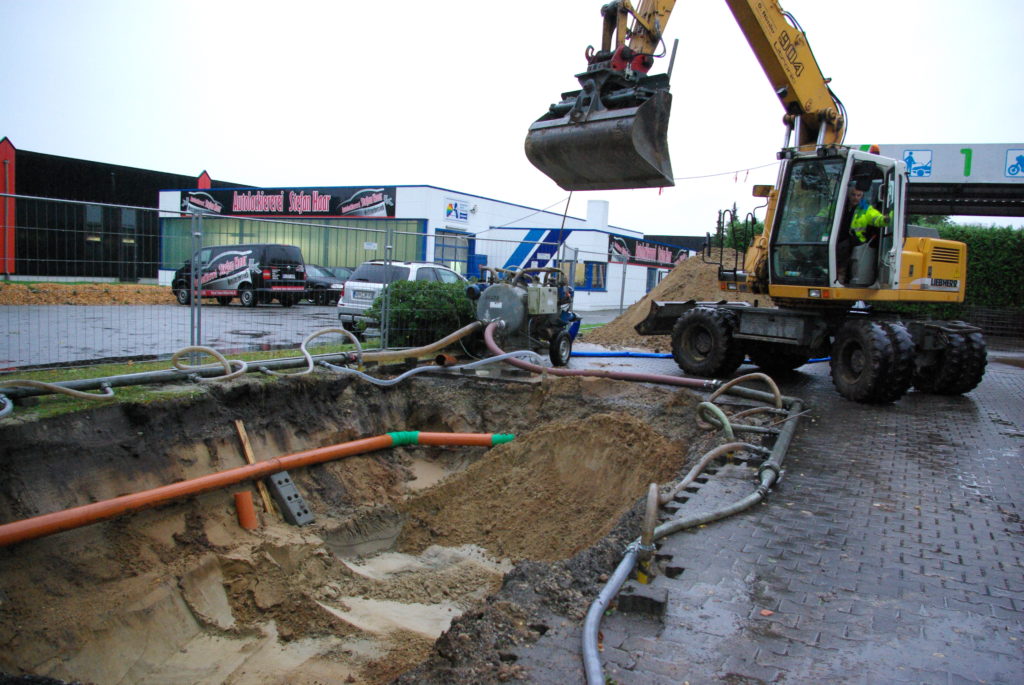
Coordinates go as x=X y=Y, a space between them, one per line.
x=409 y=545
x=83 y=293
x=692 y=279
x=423 y=564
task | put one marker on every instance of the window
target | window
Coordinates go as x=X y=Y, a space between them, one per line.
x=446 y=276
x=451 y=248
x=654 y=277
x=93 y=223
x=594 y=275
x=810 y=196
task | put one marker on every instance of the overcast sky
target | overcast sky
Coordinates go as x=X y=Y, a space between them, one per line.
x=410 y=92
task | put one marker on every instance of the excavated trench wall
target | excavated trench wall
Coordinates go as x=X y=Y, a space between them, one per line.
x=404 y=540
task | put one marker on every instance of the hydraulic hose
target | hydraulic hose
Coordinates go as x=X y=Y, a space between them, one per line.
x=76 y=517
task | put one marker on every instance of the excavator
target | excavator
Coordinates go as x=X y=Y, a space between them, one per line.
x=827 y=277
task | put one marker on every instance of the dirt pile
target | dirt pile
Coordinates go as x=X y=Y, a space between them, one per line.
x=13 y=293
x=536 y=498
x=691 y=279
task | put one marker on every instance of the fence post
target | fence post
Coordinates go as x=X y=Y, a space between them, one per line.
x=622 y=291
x=195 y=313
x=385 y=303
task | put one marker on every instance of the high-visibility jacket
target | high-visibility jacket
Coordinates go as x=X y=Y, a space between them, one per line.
x=864 y=218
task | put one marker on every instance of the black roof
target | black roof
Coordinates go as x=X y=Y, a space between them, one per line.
x=689 y=242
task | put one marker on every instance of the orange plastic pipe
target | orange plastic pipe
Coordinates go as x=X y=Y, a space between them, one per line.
x=246 y=511
x=76 y=517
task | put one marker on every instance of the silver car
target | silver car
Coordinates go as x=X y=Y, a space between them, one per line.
x=369 y=279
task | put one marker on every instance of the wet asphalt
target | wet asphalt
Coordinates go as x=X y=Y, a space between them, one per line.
x=892 y=551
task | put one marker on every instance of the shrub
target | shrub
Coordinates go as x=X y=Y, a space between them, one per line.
x=422 y=312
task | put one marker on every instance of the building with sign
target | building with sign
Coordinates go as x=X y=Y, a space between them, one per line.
x=346 y=225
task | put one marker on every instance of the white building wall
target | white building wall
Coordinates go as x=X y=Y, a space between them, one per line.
x=500 y=226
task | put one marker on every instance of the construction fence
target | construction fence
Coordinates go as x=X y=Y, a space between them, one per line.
x=86 y=248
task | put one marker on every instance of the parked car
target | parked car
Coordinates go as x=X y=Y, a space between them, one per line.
x=342 y=272
x=255 y=274
x=323 y=285
x=369 y=279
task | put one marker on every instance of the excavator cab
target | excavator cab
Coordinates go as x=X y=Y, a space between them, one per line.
x=811 y=243
x=611 y=134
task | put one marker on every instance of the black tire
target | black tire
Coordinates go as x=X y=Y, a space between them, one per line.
x=224 y=300
x=287 y=300
x=319 y=297
x=777 y=358
x=703 y=344
x=862 y=355
x=246 y=295
x=956 y=369
x=182 y=293
x=560 y=348
x=901 y=368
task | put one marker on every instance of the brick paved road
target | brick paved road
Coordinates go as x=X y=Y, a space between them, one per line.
x=892 y=552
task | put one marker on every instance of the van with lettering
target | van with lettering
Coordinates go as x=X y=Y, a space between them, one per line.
x=255 y=274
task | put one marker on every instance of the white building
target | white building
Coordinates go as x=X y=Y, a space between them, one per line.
x=610 y=265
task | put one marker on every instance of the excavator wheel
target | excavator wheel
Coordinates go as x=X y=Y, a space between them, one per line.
x=703 y=343
x=954 y=370
x=777 y=359
x=901 y=367
x=862 y=356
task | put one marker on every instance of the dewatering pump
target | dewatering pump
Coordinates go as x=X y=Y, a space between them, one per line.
x=535 y=305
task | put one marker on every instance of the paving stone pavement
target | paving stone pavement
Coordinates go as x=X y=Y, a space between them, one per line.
x=892 y=551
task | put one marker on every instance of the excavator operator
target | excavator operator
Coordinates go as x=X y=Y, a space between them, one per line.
x=860 y=226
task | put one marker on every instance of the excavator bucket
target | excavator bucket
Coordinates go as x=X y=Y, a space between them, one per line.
x=609 y=149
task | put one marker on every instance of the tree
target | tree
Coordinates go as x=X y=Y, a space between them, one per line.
x=738 y=232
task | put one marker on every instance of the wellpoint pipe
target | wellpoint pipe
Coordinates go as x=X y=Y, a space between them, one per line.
x=385 y=382
x=702 y=464
x=46 y=524
x=700 y=383
x=768 y=474
x=17 y=389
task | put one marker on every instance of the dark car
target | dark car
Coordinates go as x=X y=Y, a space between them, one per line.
x=255 y=274
x=342 y=272
x=323 y=285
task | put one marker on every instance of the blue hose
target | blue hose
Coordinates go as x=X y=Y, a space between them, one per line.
x=649 y=355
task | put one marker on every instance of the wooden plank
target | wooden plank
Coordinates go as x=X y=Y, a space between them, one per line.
x=268 y=504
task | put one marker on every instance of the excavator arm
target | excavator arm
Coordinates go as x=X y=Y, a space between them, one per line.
x=778 y=42
x=613 y=132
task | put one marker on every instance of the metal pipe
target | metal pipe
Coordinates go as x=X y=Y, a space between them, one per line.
x=76 y=517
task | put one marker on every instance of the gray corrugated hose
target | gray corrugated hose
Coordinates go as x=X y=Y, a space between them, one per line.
x=768 y=474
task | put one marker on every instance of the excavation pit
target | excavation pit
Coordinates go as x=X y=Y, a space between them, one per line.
x=404 y=540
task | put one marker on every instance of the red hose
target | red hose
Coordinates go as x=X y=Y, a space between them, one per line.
x=76 y=517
